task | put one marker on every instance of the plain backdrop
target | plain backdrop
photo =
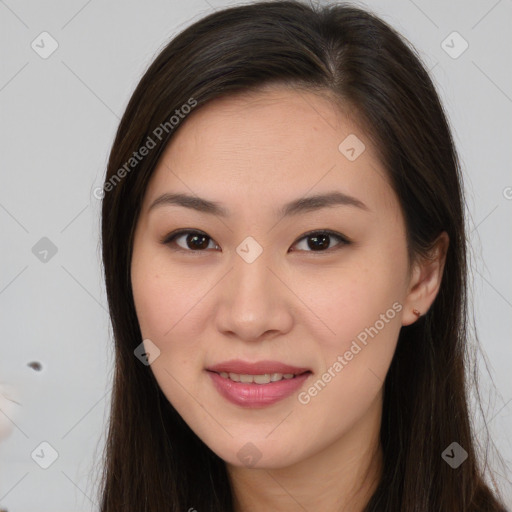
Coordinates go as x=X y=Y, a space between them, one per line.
x=67 y=71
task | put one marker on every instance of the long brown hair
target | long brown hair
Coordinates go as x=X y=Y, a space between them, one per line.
x=153 y=461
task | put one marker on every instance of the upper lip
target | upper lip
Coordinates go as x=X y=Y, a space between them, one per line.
x=257 y=368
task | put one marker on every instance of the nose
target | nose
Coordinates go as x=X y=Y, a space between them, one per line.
x=254 y=302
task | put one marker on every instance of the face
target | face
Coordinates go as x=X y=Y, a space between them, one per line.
x=319 y=288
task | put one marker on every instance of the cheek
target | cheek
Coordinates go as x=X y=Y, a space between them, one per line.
x=344 y=301
x=165 y=296
x=163 y=303
x=167 y=305
x=356 y=316
x=362 y=309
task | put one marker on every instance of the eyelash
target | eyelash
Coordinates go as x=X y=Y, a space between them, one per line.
x=171 y=237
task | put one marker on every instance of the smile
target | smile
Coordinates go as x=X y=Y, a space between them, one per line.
x=257 y=391
x=265 y=378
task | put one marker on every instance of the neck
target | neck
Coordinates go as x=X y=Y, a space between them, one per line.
x=340 y=478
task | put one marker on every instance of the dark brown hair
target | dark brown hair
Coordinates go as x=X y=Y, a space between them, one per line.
x=153 y=461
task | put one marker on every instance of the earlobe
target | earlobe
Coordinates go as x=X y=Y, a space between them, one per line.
x=425 y=281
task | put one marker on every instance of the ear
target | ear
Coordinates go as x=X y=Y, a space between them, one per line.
x=426 y=276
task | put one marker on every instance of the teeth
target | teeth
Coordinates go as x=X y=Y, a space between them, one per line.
x=257 y=379
x=261 y=379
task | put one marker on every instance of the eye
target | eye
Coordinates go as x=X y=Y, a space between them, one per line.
x=197 y=241
x=320 y=240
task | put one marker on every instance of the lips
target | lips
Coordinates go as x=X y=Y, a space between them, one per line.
x=257 y=384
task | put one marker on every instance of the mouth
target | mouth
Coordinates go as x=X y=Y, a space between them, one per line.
x=257 y=384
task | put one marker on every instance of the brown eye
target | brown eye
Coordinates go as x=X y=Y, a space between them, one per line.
x=320 y=241
x=193 y=241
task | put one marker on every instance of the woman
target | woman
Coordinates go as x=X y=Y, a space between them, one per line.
x=250 y=373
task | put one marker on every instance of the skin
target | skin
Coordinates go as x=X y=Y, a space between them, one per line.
x=294 y=304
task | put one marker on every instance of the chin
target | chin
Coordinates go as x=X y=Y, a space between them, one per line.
x=258 y=454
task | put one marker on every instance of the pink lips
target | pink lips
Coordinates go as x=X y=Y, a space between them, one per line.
x=254 y=395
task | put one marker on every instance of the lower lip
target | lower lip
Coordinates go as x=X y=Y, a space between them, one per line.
x=256 y=395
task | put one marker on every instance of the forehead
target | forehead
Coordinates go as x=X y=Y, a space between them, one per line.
x=273 y=143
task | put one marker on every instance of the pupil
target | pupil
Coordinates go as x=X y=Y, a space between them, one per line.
x=323 y=244
x=194 y=237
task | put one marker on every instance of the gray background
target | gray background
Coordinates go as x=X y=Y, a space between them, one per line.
x=58 y=119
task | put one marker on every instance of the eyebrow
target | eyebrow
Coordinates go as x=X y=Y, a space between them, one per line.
x=295 y=207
